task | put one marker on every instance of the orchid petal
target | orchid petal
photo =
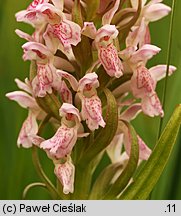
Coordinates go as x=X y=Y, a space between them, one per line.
x=106 y=34
x=159 y=72
x=114 y=148
x=22 y=98
x=134 y=3
x=106 y=19
x=24 y=35
x=49 y=13
x=35 y=3
x=144 y=150
x=92 y=112
x=145 y=53
x=28 y=17
x=36 y=140
x=134 y=37
x=51 y=41
x=58 y=4
x=40 y=14
x=127 y=52
x=147 y=37
x=26 y=86
x=108 y=57
x=154 y=12
x=80 y=135
x=88 y=81
x=62 y=143
x=142 y=83
x=131 y=113
x=65 y=174
x=89 y=30
x=67 y=32
x=70 y=78
x=67 y=108
x=44 y=81
x=139 y=35
x=36 y=51
x=66 y=94
x=151 y=106
x=29 y=127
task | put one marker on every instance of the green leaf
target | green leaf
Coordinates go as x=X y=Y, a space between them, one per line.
x=129 y=170
x=83 y=54
x=76 y=13
x=105 y=135
x=50 y=104
x=147 y=178
x=123 y=14
x=103 y=181
x=92 y=7
x=127 y=26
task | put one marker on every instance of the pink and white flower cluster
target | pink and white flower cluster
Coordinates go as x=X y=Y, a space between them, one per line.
x=80 y=104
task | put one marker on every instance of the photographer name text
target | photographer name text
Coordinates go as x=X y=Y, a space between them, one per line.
x=57 y=208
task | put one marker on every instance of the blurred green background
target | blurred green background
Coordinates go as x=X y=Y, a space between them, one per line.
x=16 y=168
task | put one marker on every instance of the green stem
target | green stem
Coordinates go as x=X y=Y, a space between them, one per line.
x=43 y=123
x=53 y=191
x=83 y=177
x=30 y=186
x=33 y=70
x=168 y=63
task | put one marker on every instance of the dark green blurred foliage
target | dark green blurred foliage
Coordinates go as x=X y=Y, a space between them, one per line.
x=16 y=168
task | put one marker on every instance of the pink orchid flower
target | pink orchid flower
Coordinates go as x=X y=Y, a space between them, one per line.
x=29 y=128
x=123 y=136
x=107 y=52
x=39 y=13
x=103 y=40
x=64 y=91
x=107 y=17
x=128 y=115
x=60 y=33
x=62 y=36
x=143 y=82
x=133 y=56
x=62 y=143
x=153 y=10
x=91 y=104
x=143 y=85
x=26 y=100
x=65 y=173
x=139 y=35
x=37 y=35
x=46 y=78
